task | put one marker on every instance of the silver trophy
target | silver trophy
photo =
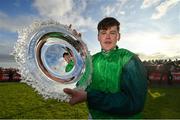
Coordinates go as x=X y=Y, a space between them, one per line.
x=50 y=58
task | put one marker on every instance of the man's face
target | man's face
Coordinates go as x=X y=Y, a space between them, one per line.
x=108 y=38
x=67 y=58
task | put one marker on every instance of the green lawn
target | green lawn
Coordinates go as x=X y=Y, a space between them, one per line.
x=18 y=101
x=167 y=106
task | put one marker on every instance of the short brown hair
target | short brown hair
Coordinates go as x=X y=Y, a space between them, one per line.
x=108 y=22
x=64 y=54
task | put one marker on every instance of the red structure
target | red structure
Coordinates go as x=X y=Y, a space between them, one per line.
x=9 y=75
x=155 y=76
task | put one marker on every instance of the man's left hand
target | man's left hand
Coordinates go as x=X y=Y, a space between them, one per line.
x=77 y=96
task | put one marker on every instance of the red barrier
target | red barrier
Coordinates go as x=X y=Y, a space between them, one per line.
x=4 y=77
x=176 y=75
x=157 y=76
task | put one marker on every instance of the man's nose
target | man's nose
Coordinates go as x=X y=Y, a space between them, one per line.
x=107 y=35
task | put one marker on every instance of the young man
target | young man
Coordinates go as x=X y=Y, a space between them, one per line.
x=119 y=81
x=70 y=63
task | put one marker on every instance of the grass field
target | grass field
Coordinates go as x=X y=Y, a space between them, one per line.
x=19 y=101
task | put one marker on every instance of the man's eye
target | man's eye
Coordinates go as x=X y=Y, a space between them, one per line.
x=103 y=33
x=113 y=33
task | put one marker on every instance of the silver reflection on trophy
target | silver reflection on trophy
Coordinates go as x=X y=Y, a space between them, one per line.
x=51 y=58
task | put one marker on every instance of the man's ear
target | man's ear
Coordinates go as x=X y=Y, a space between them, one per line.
x=98 y=37
x=119 y=36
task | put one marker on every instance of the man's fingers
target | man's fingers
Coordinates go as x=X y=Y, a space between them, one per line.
x=72 y=102
x=68 y=91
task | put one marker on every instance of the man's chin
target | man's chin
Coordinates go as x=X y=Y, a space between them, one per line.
x=107 y=48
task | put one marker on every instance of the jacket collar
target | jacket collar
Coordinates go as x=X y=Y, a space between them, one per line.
x=115 y=48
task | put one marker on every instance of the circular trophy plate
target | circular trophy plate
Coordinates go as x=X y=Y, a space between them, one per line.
x=51 y=58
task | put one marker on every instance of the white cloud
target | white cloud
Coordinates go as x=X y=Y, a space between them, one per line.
x=2 y=45
x=81 y=5
x=65 y=11
x=172 y=42
x=162 y=9
x=12 y=24
x=53 y=8
x=149 y=3
x=6 y=47
x=114 y=8
x=108 y=10
x=175 y=37
x=149 y=42
x=122 y=12
x=2 y=15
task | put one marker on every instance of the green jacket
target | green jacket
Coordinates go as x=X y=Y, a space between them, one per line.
x=69 y=66
x=119 y=85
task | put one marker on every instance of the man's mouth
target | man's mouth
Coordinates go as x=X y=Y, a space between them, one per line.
x=108 y=42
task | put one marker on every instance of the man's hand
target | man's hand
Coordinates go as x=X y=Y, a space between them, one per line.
x=77 y=96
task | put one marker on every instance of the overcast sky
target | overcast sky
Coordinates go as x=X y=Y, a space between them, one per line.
x=149 y=27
